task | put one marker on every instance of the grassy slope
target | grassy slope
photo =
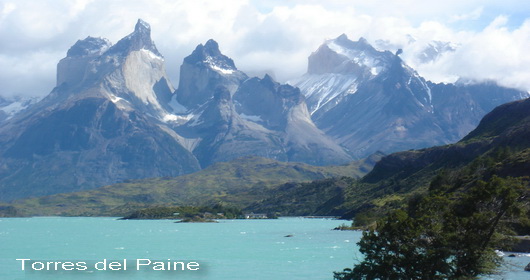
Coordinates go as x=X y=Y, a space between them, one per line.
x=302 y=199
x=239 y=182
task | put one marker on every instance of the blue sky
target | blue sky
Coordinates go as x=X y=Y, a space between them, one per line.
x=492 y=37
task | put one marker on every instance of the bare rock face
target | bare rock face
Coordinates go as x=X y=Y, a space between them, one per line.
x=267 y=102
x=283 y=108
x=204 y=70
x=370 y=101
x=72 y=69
x=235 y=116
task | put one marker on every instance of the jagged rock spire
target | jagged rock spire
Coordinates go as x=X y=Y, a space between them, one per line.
x=142 y=26
x=139 y=39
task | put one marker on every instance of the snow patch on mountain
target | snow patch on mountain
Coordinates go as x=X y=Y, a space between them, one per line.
x=360 y=57
x=222 y=70
x=12 y=106
x=151 y=54
x=194 y=120
x=320 y=90
x=219 y=67
x=337 y=69
x=256 y=119
x=117 y=100
x=90 y=46
x=176 y=107
x=178 y=119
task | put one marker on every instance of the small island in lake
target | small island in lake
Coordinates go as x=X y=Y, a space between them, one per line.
x=197 y=219
x=186 y=214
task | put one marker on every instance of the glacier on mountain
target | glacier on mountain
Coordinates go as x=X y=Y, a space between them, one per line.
x=9 y=107
x=369 y=100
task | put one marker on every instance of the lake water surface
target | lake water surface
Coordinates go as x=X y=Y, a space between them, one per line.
x=230 y=249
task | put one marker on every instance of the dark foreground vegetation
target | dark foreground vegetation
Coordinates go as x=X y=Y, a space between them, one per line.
x=440 y=213
x=447 y=234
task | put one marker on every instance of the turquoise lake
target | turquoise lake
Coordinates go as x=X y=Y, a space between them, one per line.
x=230 y=249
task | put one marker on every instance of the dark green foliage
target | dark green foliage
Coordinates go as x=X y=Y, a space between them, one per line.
x=367 y=202
x=498 y=146
x=319 y=197
x=8 y=211
x=502 y=121
x=443 y=235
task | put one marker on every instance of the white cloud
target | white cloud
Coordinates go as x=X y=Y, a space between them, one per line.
x=37 y=78
x=495 y=53
x=473 y=15
x=274 y=35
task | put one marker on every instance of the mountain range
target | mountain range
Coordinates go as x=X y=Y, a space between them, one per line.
x=114 y=114
x=499 y=146
x=369 y=100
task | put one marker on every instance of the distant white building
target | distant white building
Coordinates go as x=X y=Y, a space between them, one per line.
x=255 y=216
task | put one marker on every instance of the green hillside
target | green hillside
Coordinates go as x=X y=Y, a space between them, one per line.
x=500 y=146
x=239 y=183
x=441 y=213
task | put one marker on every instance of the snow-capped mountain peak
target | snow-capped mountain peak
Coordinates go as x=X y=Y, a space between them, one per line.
x=371 y=100
x=74 y=68
x=435 y=50
x=208 y=63
x=210 y=56
x=89 y=46
x=361 y=53
x=337 y=68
